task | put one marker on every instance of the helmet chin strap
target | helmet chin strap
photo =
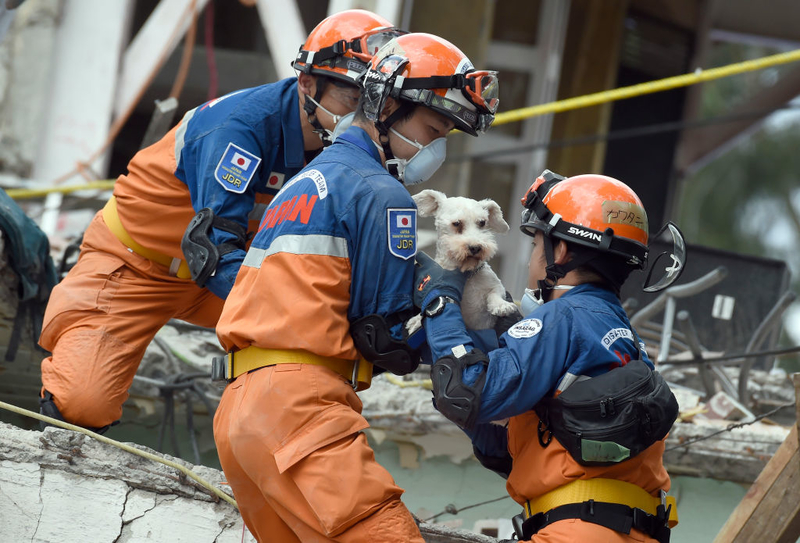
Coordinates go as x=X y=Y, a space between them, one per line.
x=310 y=107
x=383 y=135
x=554 y=271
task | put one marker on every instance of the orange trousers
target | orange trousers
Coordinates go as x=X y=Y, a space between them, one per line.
x=572 y=530
x=101 y=318
x=290 y=442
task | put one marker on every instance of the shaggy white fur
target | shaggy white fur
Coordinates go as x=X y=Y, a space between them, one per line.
x=466 y=231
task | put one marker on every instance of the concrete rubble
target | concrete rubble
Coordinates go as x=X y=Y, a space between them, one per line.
x=62 y=486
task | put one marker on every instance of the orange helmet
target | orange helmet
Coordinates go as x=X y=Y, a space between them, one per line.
x=428 y=70
x=601 y=214
x=598 y=216
x=342 y=45
x=590 y=210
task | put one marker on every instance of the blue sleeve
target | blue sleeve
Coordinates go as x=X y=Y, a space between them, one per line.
x=200 y=160
x=382 y=282
x=447 y=331
x=528 y=363
x=532 y=357
x=228 y=266
x=490 y=439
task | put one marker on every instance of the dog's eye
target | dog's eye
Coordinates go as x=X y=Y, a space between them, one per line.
x=457 y=224
x=481 y=223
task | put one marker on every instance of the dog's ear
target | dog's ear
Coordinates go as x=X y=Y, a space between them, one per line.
x=428 y=201
x=496 y=222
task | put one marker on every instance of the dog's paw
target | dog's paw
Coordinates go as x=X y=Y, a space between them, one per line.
x=413 y=324
x=500 y=307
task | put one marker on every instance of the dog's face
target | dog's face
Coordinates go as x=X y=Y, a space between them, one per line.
x=465 y=228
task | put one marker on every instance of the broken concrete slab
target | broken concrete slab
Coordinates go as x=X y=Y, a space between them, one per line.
x=62 y=486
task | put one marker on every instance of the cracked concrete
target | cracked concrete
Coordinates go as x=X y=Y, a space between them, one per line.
x=59 y=486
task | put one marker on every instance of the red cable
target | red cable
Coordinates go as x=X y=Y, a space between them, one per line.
x=213 y=78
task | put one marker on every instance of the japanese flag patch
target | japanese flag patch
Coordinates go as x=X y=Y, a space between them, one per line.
x=402 y=235
x=236 y=168
x=275 y=180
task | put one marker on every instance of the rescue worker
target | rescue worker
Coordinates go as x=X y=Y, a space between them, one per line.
x=210 y=179
x=586 y=412
x=322 y=295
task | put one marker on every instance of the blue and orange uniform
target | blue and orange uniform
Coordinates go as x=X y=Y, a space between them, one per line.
x=335 y=245
x=231 y=155
x=584 y=333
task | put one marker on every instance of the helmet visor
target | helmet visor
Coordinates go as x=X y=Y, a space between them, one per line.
x=669 y=265
x=482 y=89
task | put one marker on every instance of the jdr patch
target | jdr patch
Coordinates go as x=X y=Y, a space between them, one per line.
x=402 y=225
x=236 y=168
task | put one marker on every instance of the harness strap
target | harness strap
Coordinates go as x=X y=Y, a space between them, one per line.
x=358 y=372
x=613 y=516
x=601 y=490
x=177 y=267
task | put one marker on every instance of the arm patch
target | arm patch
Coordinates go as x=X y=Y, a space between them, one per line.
x=402 y=232
x=236 y=168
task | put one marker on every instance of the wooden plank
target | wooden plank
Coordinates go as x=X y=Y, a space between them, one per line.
x=759 y=490
x=770 y=511
x=774 y=514
x=796 y=382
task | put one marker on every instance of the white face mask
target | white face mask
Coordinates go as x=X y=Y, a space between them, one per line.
x=532 y=298
x=324 y=134
x=344 y=123
x=423 y=164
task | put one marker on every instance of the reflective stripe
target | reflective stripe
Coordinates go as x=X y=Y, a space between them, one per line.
x=298 y=245
x=180 y=133
x=257 y=212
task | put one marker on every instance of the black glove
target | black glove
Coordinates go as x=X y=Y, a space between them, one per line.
x=432 y=281
x=502 y=324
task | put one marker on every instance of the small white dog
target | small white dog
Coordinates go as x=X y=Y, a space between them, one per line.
x=466 y=230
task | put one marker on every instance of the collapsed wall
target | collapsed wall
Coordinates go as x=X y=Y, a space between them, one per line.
x=62 y=486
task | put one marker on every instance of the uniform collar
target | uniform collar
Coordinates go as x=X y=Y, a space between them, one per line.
x=359 y=137
x=293 y=146
x=591 y=288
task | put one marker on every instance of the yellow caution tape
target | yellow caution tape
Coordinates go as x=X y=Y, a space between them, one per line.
x=21 y=194
x=698 y=76
x=516 y=115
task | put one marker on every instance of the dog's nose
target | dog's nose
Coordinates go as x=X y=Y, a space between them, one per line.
x=474 y=249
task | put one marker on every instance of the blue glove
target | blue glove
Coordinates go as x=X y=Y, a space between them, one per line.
x=432 y=281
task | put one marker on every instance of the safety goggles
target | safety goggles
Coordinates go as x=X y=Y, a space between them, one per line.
x=482 y=89
x=366 y=46
x=362 y=48
x=464 y=118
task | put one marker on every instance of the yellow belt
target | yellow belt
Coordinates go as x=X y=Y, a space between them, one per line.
x=358 y=372
x=177 y=267
x=601 y=490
